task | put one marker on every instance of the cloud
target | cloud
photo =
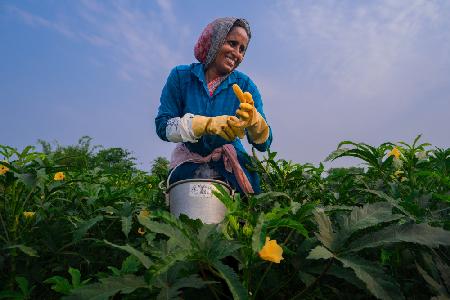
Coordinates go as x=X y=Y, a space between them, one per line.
x=365 y=50
x=139 y=40
x=37 y=21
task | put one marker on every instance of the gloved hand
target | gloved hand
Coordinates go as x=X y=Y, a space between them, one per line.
x=217 y=125
x=249 y=117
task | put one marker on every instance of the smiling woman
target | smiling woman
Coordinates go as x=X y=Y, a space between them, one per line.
x=204 y=110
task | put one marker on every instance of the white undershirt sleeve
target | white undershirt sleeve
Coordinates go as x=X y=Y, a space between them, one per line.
x=179 y=130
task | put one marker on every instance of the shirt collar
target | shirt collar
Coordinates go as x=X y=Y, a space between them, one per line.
x=198 y=71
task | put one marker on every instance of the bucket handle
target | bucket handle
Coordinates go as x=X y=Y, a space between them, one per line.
x=164 y=189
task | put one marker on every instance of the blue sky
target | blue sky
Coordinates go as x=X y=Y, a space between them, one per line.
x=366 y=71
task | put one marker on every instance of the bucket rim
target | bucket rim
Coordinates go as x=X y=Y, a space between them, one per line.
x=200 y=180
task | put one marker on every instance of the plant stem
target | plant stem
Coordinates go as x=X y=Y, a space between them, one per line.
x=261 y=280
x=209 y=285
x=315 y=281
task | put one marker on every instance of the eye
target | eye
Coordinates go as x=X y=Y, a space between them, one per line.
x=242 y=49
x=232 y=43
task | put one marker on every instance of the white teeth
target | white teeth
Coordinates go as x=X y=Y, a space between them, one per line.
x=230 y=60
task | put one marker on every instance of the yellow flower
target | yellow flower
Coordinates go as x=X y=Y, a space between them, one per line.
x=141 y=231
x=59 y=176
x=3 y=169
x=271 y=251
x=395 y=152
x=28 y=214
x=144 y=213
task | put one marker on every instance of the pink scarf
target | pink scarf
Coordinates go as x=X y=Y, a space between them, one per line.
x=181 y=154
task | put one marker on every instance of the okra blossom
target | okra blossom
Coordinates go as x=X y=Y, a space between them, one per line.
x=271 y=251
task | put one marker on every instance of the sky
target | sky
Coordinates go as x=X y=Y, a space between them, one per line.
x=328 y=71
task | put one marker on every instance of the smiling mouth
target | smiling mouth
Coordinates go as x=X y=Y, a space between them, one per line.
x=230 y=61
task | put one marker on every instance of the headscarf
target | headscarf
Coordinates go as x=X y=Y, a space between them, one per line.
x=213 y=37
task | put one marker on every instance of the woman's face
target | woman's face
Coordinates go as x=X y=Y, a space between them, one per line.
x=232 y=52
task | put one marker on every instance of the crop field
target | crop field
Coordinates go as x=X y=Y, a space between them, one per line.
x=83 y=222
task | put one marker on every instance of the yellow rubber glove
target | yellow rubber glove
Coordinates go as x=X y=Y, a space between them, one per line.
x=249 y=117
x=218 y=126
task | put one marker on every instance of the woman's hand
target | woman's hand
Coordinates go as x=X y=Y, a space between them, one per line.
x=249 y=117
x=218 y=126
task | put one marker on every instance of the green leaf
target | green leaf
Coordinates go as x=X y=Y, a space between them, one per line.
x=224 y=196
x=259 y=234
x=59 y=284
x=370 y=215
x=320 y=252
x=338 y=272
x=377 y=282
x=126 y=225
x=212 y=245
x=108 y=287
x=169 y=260
x=25 y=249
x=76 y=277
x=130 y=265
x=392 y=201
x=11 y=295
x=24 y=286
x=139 y=255
x=237 y=289
x=271 y=196
x=173 y=290
x=326 y=233
x=286 y=222
x=422 y=234
x=177 y=236
x=431 y=281
x=84 y=227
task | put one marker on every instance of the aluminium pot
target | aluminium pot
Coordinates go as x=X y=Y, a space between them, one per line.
x=195 y=198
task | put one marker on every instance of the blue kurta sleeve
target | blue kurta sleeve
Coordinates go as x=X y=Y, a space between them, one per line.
x=252 y=89
x=170 y=104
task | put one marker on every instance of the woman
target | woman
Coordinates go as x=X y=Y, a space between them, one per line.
x=199 y=105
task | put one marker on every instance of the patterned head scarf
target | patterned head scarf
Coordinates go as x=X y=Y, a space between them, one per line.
x=213 y=37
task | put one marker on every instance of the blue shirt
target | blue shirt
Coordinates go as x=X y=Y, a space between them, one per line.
x=186 y=91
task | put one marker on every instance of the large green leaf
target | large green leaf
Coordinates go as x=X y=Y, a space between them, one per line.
x=141 y=256
x=326 y=233
x=167 y=257
x=172 y=290
x=436 y=286
x=320 y=252
x=25 y=249
x=108 y=287
x=377 y=282
x=286 y=222
x=177 y=236
x=59 y=284
x=126 y=225
x=371 y=214
x=212 y=245
x=84 y=227
x=339 y=272
x=422 y=234
x=237 y=289
x=392 y=201
x=259 y=234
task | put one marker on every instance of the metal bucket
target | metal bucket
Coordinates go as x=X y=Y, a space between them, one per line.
x=195 y=198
